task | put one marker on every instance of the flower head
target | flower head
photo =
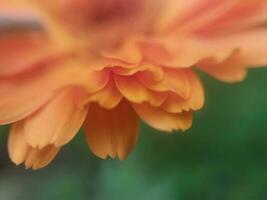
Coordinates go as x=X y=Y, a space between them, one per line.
x=106 y=65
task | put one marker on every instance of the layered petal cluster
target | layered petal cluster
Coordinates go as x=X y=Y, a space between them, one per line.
x=105 y=66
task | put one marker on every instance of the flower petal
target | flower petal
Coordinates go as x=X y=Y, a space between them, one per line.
x=253 y=47
x=32 y=41
x=248 y=50
x=128 y=52
x=230 y=70
x=109 y=97
x=197 y=13
x=17 y=147
x=216 y=16
x=162 y=120
x=154 y=71
x=58 y=121
x=19 y=95
x=112 y=132
x=134 y=91
x=174 y=80
x=20 y=151
x=29 y=42
x=194 y=101
x=241 y=15
x=16 y=7
x=24 y=51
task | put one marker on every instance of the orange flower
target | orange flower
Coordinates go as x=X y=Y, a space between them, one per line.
x=104 y=65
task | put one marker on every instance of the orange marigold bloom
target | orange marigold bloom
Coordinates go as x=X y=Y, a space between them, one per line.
x=105 y=65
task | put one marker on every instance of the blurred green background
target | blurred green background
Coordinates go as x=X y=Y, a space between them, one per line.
x=223 y=157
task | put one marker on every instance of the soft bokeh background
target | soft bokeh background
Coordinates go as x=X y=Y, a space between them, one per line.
x=223 y=157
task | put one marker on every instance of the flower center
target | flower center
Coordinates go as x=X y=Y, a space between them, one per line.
x=108 y=11
x=87 y=13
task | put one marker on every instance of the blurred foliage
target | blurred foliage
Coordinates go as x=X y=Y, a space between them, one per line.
x=223 y=156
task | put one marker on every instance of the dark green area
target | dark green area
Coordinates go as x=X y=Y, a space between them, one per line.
x=223 y=157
